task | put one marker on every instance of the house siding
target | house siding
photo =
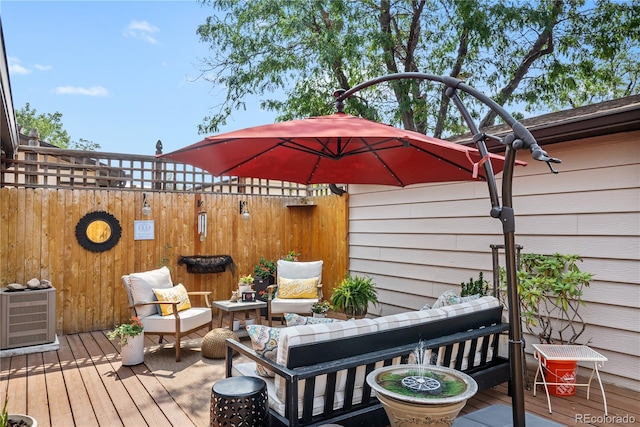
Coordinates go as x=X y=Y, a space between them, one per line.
x=419 y=241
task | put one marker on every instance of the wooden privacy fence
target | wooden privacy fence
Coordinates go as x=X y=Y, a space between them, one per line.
x=38 y=226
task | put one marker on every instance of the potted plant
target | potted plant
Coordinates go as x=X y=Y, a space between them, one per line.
x=291 y=256
x=353 y=295
x=131 y=338
x=550 y=289
x=15 y=420
x=320 y=308
x=245 y=284
x=479 y=286
x=263 y=271
x=246 y=280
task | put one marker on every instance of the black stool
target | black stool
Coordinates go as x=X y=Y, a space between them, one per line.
x=239 y=402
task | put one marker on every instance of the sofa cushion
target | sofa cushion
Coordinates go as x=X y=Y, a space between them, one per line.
x=481 y=303
x=249 y=369
x=142 y=285
x=306 y=334
x=409 y=318
x=292 y=319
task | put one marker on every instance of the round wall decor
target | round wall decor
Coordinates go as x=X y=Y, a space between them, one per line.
x=98 y=231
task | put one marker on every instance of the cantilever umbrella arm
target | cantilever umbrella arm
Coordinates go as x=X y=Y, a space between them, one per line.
x=519 y=138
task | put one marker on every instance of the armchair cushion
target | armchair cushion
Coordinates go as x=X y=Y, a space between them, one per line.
x=176 y=294
x=297 y=288
x=142 y=285
x=300 y=270
x=292 y=305
x=289 y=270
x=189 y=320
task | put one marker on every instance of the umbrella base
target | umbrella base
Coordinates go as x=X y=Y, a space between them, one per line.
x=499 y=416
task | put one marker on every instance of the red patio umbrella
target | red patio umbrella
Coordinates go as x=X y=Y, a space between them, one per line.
x=338 y=148
x=344 y=149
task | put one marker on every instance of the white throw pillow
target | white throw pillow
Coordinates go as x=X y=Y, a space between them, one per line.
x=142 y=286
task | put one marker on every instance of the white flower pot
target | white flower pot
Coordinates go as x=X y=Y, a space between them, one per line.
x=319 y=315
x=133 y=351
x=28 y=420
x=244 y=288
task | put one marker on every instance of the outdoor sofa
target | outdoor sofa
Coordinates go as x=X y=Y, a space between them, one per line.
x=320 y=369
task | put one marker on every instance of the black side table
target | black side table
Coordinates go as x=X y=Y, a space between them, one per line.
x=240 y=402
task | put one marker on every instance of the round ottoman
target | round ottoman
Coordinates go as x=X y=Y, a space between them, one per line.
x=239 y=401
x=213 y=346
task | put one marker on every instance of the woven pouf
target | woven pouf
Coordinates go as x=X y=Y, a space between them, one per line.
x=213 y=346
x=240 y=402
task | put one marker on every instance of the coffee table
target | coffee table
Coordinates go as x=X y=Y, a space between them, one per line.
x=233 y=307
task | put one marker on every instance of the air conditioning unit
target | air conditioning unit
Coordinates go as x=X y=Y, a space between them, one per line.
x=28 y=317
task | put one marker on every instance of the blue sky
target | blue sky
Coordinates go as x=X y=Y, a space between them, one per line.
x=122 y=73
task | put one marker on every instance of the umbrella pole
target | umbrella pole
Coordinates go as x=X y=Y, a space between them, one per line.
x=505 y=214
x=520 y=138
x=515 y=327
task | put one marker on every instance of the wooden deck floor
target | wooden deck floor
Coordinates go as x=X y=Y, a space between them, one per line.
x=84 y=384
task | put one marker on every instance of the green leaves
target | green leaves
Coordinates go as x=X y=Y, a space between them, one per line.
x=354 y=294
x=50 y=129
x=473 y=287
x=550 y=289
x=4 y=416
x=48 y=125
x=264 y=268
x=291 y=55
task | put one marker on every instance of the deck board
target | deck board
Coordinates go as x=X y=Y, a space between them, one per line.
x=79 y=400
x=84 y=384
x=18 y=385
x=59 y=408
x=137 y=394
x=126 y=411
x=37 y=388
x=103 y=407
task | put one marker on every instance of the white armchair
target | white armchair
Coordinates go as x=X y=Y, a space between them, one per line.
x=299 y=285
x=179 y=317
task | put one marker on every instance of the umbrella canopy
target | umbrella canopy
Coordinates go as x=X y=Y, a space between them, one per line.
x=338 y=148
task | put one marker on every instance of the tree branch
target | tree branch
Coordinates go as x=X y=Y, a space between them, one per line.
x=542 y=46
x=463 y=45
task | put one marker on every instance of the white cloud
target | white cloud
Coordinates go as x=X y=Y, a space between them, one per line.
x=142 y=30
x=43 y=67
x=74 y=90
x=15 y=67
